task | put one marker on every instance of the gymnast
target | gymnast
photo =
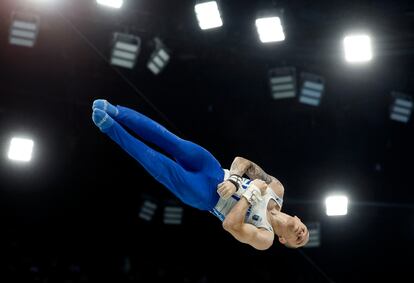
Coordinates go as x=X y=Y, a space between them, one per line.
x=249 y=208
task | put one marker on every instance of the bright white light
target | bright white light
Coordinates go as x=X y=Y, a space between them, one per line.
x=336 y=205
x=208 y=15
x=111 y=3
x=270 y=29
x=20 y=149
x=358 y=48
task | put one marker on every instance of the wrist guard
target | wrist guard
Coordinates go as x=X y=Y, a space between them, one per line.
x=236 y=180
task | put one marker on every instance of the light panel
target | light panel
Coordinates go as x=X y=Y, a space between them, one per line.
x=24 y=29
x=270 y=29
x=208 y=15
x=111 y=3
x=282 y=82
x=159 y=58
x=312 y=89
x=314 y=229
x=147 y=211
x=20 y=149
x=336 y=205
x=358 y=48
x=173 y=215
x=125 y=50
x=401 y=107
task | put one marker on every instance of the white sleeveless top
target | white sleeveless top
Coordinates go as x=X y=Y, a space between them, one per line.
x=256 y=215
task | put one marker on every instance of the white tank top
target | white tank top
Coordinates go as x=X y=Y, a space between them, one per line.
x=256 y=215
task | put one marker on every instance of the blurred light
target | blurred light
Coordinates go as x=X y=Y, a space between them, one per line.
x=312 y=89
x=401 y=107
x=270 y=29
x=20 y=149
x=111 y=3
x=147 y=210
x=159 y=58
x=173 y=215
x=24 y=29
x=208 y=15
x=357 y=48
x=336 y=205
x=314 y=229
x=282 y=82
x=125 y=50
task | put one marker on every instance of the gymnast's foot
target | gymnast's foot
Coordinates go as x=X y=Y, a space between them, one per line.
x=101 y=119
x=105 y=106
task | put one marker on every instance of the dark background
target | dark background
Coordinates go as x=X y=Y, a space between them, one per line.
x=71 y=215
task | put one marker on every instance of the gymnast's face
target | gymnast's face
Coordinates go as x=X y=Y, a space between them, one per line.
x=295 y=234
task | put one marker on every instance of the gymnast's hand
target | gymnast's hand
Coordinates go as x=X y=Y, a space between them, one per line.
x=260 y=184
x=226 y=189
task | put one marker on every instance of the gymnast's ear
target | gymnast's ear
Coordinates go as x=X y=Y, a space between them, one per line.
x=282 y=240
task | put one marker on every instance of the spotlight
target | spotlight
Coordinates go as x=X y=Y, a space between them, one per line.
x=208 y=14
x=312 y=88
x=336 y=205
x=357 y=48
x=401 y=107
x=159 y=58
x=111 y=3
x=282 y=82
x=269 y=26
x=20 y=149
x=24 y=29
x=125 y=50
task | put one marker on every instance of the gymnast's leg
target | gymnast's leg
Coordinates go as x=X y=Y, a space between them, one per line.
x=185 y=185
x=190 y=155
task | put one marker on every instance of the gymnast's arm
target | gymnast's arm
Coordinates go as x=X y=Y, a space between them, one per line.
x=246 y=233
x=241 y=166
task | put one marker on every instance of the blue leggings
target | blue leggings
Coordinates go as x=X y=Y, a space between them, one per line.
x=194 y=173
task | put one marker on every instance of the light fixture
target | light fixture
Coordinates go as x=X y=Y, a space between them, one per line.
x=125 y=50
x=173 y=215
x=358 y=48
x=336 y=205
x=159 y=57
x=20 y=149
x=312 y=89
x=269 y=26
x=147 y=211
x=314 y=229
x=111 y=3
x=401 y=107
x=208 y=14
x=282 y=82
x=24 y=29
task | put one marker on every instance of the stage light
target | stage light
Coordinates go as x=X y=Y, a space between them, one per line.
x=314 y=229
x=336 y=205
x=125 y=50
x=208 y=14
x=20 y=149
x=111 y=3
x=282 y=82
x=357 y=48
x=24 y=29
x=269 y=26
x=159 y=57
x=401 y=107
x=312 y=89
x=147 y=211
x=173 y=215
